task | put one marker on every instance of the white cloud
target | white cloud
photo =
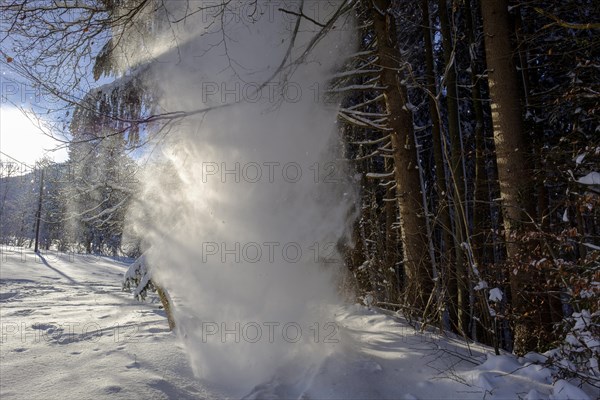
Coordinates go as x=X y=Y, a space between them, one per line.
x=22 y=139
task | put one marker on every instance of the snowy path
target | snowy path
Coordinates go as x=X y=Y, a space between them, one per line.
x=69 y=332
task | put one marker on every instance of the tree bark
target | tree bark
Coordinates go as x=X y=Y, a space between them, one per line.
x=457 y=182
x=166 y=302
x=38 y=213
x=481 y=211
x=418 y=282
x=481 y=216
x=513 y=171
x=443 y=222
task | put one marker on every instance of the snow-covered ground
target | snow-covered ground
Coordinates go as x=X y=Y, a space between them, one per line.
x=69 y=332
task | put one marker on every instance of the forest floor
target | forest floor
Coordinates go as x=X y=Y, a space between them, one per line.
x=70 y=332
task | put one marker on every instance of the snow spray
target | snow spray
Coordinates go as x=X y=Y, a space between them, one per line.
x=244 y=207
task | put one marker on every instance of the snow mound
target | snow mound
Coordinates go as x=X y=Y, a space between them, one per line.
x=496 y=294
x=593 y=178
x=382 y=357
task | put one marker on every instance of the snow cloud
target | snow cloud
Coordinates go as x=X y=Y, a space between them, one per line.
x=244 y=207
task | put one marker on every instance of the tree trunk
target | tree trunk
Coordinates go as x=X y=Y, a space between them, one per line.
x=166 y=302
x=391 y=239
x=418 y=283
x=513 y=171
x=481 y=211
x=38 y=214
x=457 y=182
x=481 y=217
x=443 y=222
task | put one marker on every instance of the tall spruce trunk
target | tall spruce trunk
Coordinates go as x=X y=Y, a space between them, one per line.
x=417 y=264
x=513 y=171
